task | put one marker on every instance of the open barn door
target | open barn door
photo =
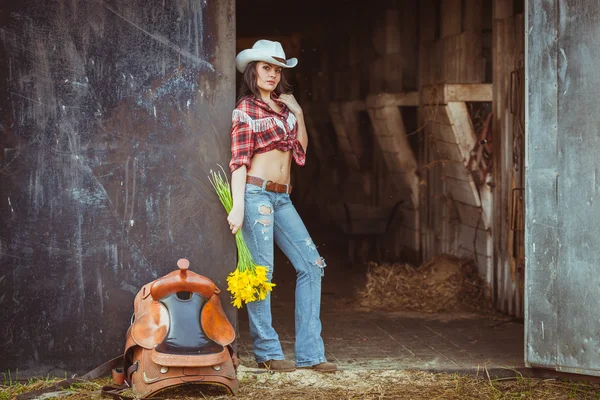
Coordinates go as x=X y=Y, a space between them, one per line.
x=562 y=318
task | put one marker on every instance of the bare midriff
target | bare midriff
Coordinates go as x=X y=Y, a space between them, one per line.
x=273 y=166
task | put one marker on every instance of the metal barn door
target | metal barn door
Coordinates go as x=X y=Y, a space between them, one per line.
x=562 y=317
x=112 y=114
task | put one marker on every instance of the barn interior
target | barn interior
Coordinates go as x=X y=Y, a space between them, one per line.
x=415 y=116
x=114 y=112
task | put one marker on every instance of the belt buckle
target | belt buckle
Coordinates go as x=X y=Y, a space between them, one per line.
x=267 y=184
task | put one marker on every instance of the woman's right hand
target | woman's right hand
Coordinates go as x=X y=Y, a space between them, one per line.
x=235 y=219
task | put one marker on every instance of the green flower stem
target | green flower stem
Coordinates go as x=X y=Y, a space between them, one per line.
x=223 y=190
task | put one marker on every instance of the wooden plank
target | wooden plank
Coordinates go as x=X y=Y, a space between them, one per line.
x=354 y=105
x=351 y=122
x=472 y=62
x=453 y=54
x=392 y=124
x=503 y=9
x=428 y=17
x=410 y=43
x=393 y=43
x=519 y=43
x=385 y=74
x=376 y=83
x=410 y=218
x=392 y=161
x=468 y=253
x=439 y=61
x=450 y=17
x=342 y=136
x=487 y=203
x=477 y=240
x=465 y=192
x=447 y=151
x=462 y=128
x=408 y=237
x=484 y=266
x=457 y=170
x=427 y=63
x=393 y=73
x=443 y=132
x=469 y=215
x=458 y=92
x=402 y=193
x=389 y=145
x=473 y=16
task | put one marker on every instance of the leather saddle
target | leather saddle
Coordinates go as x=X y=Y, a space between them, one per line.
x=179 y=335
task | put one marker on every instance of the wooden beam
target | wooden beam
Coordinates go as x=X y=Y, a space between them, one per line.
x=347 y=145
x=390 y=134
x=465 y=192
x=444 y=94
x=462 y=127
x=447 y=152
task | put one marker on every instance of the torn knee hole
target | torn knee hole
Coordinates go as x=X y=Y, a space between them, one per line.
x=263 y=222
x=265 y=210
x=320 y=262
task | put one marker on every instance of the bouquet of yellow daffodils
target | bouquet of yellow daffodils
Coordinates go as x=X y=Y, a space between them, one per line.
x=249 y=281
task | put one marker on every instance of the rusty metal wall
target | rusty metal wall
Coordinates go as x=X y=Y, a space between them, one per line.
x=563 y=214
x=112 y=113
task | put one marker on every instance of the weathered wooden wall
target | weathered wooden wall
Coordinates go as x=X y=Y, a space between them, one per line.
x=509 y=149
x=456 y=205
x=111 y=116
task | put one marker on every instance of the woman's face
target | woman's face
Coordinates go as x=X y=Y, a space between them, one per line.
x=267 y=76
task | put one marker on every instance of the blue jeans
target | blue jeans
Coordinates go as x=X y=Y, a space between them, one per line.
x=271 y=218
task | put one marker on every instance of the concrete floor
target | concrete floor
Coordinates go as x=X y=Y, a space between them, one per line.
x=356 y=339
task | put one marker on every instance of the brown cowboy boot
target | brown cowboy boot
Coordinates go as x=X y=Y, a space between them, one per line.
x=323 y=367
x=278 y=365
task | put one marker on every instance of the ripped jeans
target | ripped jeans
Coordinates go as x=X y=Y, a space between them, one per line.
x=271 y=218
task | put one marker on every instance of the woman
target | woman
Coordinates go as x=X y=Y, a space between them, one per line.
x=267 y=132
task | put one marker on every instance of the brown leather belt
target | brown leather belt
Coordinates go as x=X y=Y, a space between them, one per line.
x=270 y=186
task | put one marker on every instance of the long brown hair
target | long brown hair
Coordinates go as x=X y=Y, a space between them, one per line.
x=248 y=84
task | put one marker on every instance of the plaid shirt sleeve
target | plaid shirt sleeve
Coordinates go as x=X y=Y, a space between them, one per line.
x=242 y=143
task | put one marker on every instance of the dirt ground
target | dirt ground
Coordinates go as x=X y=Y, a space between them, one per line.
x=426 y=339
x=391 y=384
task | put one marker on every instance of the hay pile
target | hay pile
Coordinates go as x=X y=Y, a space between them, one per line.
x=361 y=385
x=444 y=284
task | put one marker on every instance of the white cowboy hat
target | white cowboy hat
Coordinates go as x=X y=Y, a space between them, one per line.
x=267 y=51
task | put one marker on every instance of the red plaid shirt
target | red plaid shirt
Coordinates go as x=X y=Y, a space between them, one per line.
x=256 y=128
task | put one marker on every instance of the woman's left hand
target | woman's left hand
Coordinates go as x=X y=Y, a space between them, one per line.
x=291 y=103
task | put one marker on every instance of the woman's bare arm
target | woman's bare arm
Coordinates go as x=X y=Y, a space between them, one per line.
x=238 y=186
